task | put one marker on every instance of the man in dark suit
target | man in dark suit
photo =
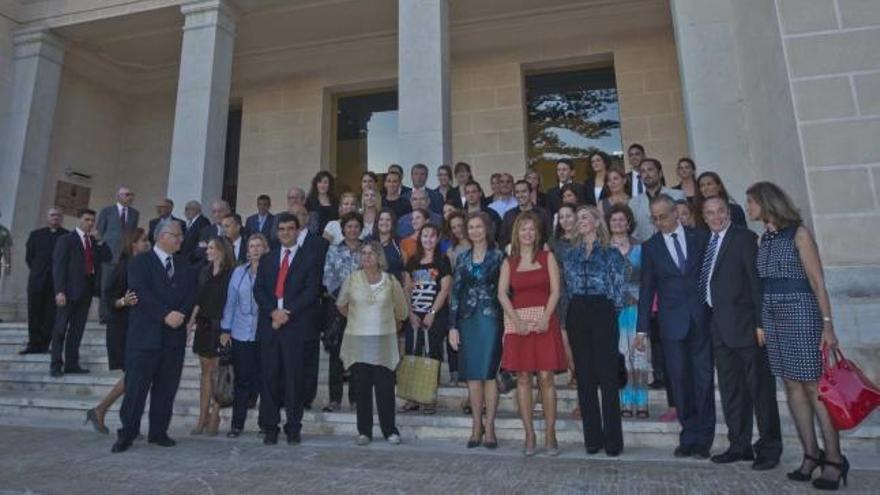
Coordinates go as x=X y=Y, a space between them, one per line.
x=114 y=222
x=194 y=224
x=76 y=269
x=237 y=236
x=41 y=295
x=156 y=339
x=671 y=262
x=263 y=221
x=731 y=290
x=219 y=210
x=564 y=175
x=164 y=209
x=287 y=290
x=419 y=176
x=312 y=343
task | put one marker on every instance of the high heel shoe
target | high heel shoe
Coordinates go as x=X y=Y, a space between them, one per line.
x=475 y=442
x=92 y=417
x=199 y=429
x=798 y=475
x=826 y=484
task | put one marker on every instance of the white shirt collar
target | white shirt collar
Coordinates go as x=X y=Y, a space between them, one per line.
x=81 y=234
x=161 y=254
x=120 y=207
x=301 y=237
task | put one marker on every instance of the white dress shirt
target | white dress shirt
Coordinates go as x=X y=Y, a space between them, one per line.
x=714 y=260
x=163 y=256
x=236 y=248
x=292 y=250
x=670 y=245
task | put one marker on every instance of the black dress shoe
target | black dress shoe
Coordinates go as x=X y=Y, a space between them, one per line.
x=701 y=453
x=120 y=446
x=728 y=457
x=55 y=373
x=163 y=441
x=682 y=451
x=593 y=450
x=764 y=464
x=233 y=433
x=28 y=350
x=76 y=371
x=294 y=438
x=270 y=437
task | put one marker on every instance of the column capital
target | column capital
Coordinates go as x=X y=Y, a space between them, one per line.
x=210 y=13
x=38 y=42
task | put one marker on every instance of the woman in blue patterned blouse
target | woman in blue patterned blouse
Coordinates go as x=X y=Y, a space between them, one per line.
x=475 y=331
x=595 y=277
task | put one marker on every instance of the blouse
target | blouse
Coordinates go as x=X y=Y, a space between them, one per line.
x=339 y=264
x=212 y=293
x=601 y=273
x=373 y=313
x=240 y=312
x=475 y=286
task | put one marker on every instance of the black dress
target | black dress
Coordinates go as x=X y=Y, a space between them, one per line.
x=325 y=213
x=210 y=300
x=117 y=318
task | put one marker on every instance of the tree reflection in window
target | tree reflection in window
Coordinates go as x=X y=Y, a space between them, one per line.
x=571 y=114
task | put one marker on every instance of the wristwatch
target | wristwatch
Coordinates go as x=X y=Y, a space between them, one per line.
x=432 y=312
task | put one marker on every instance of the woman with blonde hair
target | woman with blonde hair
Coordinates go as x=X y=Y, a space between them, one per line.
x=374 y=303
x=205 y=325
x=595 y=277
x=532 y=338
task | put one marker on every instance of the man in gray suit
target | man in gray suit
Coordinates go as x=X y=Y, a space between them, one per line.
x=114 y=222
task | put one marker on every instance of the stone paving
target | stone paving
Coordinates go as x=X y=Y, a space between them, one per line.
x=60 y=460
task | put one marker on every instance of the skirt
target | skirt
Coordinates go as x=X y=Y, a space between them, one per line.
x=793 y=334
x=207 y=337
x=480 y=351
x=116 y=342
x=535 y=352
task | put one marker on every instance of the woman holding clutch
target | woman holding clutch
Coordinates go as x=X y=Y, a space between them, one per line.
x=532 y=339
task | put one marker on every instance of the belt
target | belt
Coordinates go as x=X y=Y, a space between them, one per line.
x=785 y=285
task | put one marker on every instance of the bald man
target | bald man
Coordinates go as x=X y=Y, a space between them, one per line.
x=114 y=222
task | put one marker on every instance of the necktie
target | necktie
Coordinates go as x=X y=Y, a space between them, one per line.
x=87 y=250
x=679 y=253
x=707 y=267
x=123 y=217
x=282 y=275
x=169 y=268
x=639 y=185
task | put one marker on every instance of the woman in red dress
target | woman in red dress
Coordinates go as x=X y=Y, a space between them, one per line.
x=528 y=289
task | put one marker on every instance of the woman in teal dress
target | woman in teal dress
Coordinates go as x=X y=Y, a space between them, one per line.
x=633 y=397
x=475 y=326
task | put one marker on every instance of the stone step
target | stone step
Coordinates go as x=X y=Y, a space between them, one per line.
x=451 y=426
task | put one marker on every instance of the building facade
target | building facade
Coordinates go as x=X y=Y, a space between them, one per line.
x=155 y=93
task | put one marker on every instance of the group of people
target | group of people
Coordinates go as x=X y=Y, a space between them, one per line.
x=613 y=280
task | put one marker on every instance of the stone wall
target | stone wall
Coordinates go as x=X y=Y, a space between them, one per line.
x=834 y=67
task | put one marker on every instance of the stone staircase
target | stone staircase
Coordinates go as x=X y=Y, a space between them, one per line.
x=28 y=392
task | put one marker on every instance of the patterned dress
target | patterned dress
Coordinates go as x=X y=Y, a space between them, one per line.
x=790 y=315
x=634 y=395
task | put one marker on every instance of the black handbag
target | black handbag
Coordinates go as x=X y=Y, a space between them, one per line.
x=224 y=378
x=506 y=382
x=622 y=374
x=334 y=325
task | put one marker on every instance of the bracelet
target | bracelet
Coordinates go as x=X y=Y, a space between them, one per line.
x=826 y=319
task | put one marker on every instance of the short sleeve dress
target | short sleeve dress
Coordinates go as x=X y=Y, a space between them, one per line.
x=536 y=351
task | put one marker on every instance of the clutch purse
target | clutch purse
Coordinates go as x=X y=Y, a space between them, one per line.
x=531 y=314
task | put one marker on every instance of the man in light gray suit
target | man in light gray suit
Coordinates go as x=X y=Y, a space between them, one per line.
x=114 y=222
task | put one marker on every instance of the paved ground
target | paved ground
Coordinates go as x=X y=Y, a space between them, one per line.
x=56 y=460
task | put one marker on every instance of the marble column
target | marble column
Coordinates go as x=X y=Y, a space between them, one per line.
x=38 y=58
x=424 y=119
x=735 y=89
x=199 y=141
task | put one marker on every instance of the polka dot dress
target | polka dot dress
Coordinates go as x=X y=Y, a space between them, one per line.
x=791 y=316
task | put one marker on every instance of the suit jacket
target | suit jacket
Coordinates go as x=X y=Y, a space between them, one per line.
x=151 y=232
x=506 y=232
x=736 y=290
x=110 y=228
x=589 y=193
x=681 y=303
x=434 y=196
x=208 y=232
x=69 y=266
x=453 y=197
x=39 y=249
x=252 y=224
x=191 y=237
x=242 y=250
x=641 y=208
x=157 y=296
x=302 y=293
x=554 y=197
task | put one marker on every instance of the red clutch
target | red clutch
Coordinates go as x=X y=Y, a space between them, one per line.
x=846 y=392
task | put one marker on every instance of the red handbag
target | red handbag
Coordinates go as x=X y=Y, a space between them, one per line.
x=846 y=392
